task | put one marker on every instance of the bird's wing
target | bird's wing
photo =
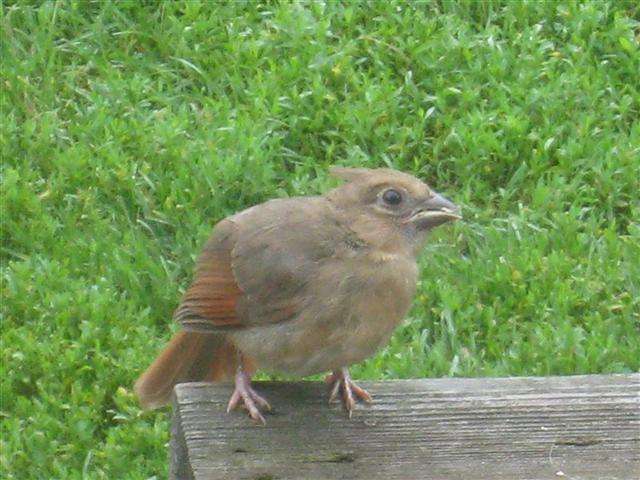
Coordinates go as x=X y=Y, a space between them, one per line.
x=259 y=264
x=210 y=302
x=277 y=258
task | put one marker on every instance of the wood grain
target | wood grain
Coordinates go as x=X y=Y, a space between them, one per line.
x=580 y=427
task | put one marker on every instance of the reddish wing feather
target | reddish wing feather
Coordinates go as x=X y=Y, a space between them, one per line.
x=210 y=303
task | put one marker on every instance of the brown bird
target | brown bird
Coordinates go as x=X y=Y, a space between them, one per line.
x=301 y=286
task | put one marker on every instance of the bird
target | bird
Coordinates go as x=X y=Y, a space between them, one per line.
x=301 y=286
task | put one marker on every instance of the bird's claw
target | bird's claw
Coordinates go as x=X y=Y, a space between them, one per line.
x=341 y=383
x=245 y=396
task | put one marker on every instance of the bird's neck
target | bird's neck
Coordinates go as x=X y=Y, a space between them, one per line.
x=381 y=240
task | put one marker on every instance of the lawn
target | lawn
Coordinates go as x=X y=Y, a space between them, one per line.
x=129 y=128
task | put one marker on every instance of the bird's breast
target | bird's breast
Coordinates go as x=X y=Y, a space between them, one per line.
x=348 y=311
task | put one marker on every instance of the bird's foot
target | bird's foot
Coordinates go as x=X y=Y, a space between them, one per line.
x=244 y=395
x=341 y=382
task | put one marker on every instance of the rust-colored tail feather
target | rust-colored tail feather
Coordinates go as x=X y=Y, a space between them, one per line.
x=189 y=357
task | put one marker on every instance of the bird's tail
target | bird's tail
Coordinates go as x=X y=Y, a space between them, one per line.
x=189 y=357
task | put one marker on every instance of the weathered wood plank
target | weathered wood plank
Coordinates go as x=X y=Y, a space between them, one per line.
x=580 y=427
x=179 y=466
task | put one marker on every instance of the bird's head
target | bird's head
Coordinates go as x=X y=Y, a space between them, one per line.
x=390 y=210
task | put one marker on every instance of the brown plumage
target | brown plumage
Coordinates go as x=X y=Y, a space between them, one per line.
x=301 y=286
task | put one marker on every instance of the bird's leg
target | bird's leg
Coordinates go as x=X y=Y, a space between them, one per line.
x=244 y=395
x=341 y=382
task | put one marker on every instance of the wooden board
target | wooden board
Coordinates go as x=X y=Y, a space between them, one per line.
x=580 y=427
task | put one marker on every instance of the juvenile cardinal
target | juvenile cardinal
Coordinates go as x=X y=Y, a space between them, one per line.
x=301 y=286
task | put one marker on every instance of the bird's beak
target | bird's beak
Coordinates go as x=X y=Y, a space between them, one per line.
x=434 y=211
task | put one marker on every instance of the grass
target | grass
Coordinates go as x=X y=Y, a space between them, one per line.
x=129 y=128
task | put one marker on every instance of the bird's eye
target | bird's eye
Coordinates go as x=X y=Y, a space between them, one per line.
x=392 y=197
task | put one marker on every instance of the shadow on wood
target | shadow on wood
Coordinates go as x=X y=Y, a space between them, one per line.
x=581 y=427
